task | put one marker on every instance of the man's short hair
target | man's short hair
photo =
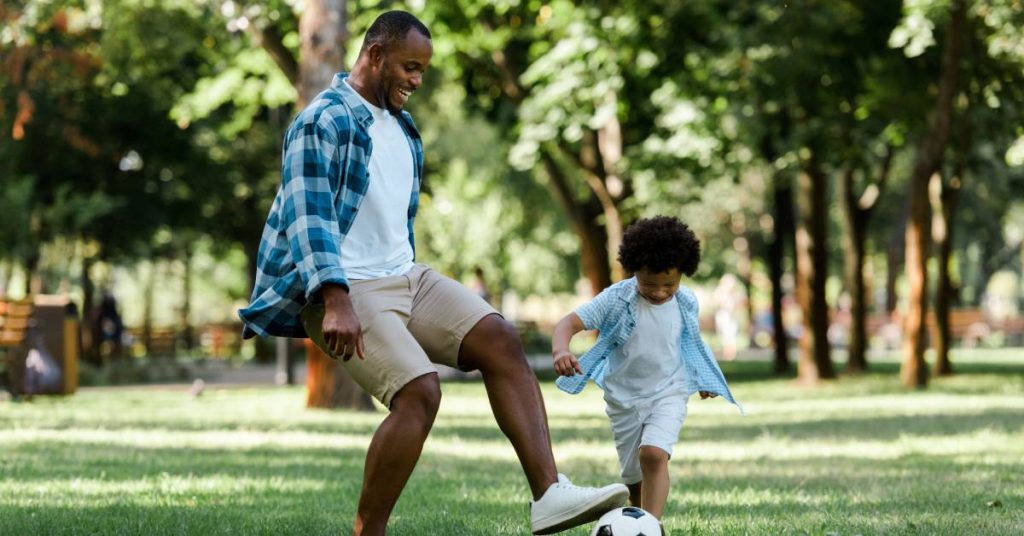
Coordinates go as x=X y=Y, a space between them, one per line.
x=392 y=27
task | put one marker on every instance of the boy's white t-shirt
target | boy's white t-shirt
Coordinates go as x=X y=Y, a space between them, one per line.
x=649 y=363
x=377 y=245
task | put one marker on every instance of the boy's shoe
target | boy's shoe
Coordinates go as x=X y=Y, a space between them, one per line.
x=564 y=505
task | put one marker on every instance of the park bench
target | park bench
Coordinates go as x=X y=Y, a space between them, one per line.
x=968 y=326
x=161 y=342
x=1012 y=328
x=15 y=319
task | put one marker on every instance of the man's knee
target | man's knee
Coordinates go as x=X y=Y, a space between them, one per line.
x=493 y=343
x=652 y=456
x=421 y=397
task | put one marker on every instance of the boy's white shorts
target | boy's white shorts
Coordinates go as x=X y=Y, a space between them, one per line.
x=654 y=422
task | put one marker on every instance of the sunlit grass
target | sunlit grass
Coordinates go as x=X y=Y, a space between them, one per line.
x=858 y=456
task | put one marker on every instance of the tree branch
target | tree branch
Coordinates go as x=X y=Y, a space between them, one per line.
x=271 y=40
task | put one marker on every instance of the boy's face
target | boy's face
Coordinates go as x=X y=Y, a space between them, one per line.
x=658 y=288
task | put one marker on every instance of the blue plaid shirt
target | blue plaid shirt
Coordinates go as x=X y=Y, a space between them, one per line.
x=323 y=181
x=613 y=312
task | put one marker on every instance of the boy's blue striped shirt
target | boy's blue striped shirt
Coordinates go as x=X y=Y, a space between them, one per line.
x=324 y=178
x=613 y=313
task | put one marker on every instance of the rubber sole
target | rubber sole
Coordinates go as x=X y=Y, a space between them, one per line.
x=587 y=513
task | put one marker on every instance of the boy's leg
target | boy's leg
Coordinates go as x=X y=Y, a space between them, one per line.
x=654 y=493
x=660 y=433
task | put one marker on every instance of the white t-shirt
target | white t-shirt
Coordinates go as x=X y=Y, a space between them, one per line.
x=378 y=245
x=648 y=363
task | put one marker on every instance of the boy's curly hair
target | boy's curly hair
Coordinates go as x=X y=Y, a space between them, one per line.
x=659 y=244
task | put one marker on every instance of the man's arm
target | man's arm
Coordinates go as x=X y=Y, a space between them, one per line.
x=309 y=218
x=342 y=330
x=311 y=225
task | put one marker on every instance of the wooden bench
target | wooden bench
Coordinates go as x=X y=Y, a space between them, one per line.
x=161 y=342
x=969 y=326
x=15 y=319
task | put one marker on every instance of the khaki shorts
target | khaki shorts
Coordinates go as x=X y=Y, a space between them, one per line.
x=409 y=322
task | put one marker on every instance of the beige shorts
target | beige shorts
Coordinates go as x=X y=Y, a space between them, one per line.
x=409 y=322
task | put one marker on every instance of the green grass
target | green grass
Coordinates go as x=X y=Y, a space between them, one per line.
x=858 y=456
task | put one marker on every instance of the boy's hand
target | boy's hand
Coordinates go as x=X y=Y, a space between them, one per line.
x=706 y=394
x=566 y=363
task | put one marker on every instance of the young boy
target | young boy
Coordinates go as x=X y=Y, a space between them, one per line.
x=649 y=357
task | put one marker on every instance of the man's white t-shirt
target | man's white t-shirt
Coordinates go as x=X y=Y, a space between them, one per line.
x=649 y=363
x=377 y=245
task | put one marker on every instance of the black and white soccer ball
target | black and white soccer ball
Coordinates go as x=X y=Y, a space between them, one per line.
x=628 y=521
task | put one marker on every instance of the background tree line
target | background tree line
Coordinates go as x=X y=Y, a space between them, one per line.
x=801 y=140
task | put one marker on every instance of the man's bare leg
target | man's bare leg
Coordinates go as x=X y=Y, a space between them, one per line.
x=394 y=451
x=493 y=346
x=634 y=493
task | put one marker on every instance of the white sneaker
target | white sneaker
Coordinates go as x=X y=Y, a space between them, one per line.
x=564 y=505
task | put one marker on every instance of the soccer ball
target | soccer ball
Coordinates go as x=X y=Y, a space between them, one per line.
x=628 y=521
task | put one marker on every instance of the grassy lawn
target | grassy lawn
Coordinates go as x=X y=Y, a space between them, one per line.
x=859 y=456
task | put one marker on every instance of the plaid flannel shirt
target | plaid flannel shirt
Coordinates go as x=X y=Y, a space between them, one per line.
x=613 y=312
x=324 y=178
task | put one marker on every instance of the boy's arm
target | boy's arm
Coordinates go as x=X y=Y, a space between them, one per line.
x=566 y=363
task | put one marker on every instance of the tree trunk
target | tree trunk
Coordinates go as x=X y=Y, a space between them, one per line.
x=853 y=264
x=329 y=386
x=187 y=336
x=945 y=197
x=322 y=33
x=812 y=271
x=944 y=290
x=782 y=231
x=894 y=261
x=744 y=265
x=858 y=209
x=782 y=234
x=90 y=327
x=32 y=279
x=594 y=252
x=147 y=305
x=6 y=272
x=914 y=371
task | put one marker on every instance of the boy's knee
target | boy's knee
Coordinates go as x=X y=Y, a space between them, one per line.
x=651 y=456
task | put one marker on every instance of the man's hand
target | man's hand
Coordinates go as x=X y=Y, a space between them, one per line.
x=343 y=334
x=566 y=363
x=706 y=394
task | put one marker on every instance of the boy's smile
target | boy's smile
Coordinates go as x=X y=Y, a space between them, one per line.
x=658 y=288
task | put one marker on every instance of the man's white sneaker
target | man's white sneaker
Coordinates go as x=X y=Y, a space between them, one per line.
x=564 y=505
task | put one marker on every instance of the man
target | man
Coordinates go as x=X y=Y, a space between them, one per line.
x=336 y=263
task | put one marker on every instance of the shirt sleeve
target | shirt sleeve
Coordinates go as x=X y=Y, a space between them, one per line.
x=594 y=312
x=310 y=220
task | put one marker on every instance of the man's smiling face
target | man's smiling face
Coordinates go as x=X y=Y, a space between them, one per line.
x=401 y=70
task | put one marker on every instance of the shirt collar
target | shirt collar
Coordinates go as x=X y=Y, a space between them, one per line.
x=363 y=114
x=355 y=103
